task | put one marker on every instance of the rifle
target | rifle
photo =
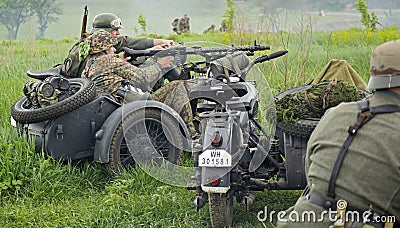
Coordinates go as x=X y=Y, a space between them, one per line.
x=181 y=51
x=84 y=34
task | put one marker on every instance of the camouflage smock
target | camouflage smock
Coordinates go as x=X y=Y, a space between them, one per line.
x=370 y=173
x=176 y=95
x=107 y=71
x=75 y=68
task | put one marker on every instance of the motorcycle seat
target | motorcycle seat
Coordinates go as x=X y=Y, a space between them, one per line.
x=43 y=74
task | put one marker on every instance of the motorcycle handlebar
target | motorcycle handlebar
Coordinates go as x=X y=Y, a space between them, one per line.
x=274 y=55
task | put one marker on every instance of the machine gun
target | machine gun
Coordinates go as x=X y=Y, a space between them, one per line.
x=180 y=52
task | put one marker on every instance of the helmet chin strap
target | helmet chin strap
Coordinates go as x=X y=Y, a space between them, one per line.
x=384 y=81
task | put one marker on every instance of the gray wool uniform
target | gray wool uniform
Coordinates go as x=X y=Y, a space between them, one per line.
x=370 y=174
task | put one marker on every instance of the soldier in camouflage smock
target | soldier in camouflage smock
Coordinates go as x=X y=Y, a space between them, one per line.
x=74 y=65
x=108 y=70
x=366 y=188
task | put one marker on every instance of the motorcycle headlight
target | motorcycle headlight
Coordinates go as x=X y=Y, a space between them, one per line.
x=46 y=89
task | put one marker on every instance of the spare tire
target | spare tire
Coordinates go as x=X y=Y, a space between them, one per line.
x=302 y=128
x=83 y=90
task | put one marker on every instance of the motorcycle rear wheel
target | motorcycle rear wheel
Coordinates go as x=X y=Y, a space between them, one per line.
x=120 y=157
x=221 y=209
x=83 y=90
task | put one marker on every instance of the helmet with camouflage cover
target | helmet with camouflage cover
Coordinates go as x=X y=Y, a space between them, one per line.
x=100 y=41
x=106 y=21
x=385 y=66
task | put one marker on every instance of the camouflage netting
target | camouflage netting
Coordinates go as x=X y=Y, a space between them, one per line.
x=337 y=82
x=312 y=103
x=342 y=71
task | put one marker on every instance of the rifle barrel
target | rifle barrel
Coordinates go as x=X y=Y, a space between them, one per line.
x=84 y=22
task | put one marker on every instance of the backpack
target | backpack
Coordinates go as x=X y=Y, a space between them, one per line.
x=72 y=66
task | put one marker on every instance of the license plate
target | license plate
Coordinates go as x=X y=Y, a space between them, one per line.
x=215 y=158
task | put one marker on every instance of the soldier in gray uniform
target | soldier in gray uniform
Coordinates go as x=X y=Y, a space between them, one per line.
x=353 y=157
x=73 y=65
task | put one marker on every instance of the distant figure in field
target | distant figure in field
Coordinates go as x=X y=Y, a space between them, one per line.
x=223 y=27
x=209 y=29
x=175 y=28
x=181 y=25
x=184 y=24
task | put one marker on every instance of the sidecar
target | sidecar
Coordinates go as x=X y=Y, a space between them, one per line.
x=86 y=125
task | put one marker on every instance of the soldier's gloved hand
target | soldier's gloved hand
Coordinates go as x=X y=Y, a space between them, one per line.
x=126 y=58
x=158 y=47
x=163 y=42
x=166 y=61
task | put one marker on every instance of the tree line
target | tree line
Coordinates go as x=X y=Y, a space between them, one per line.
x=14 y=13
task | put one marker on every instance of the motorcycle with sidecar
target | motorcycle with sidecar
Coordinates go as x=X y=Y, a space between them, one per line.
x=239 y=147
x=69 y=121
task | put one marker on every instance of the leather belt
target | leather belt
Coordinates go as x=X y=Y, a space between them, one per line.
x=322 y=200
x=326 y=202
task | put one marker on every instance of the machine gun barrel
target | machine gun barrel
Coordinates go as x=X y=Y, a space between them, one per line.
x=197 y=50
x=182 y=50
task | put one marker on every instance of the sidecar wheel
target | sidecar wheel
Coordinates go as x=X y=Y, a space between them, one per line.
x=221 y=209
x=83 y=90
x=120 y=157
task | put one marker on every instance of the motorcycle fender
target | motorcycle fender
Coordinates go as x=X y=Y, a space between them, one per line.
x=104 y=135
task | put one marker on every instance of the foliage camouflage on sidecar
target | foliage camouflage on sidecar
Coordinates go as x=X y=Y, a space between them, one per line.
x=311 y=103
x=337 y=82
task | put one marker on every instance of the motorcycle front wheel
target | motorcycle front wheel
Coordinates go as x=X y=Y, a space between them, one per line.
x=221 y=209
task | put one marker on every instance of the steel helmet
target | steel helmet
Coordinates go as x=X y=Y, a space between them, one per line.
x=100 y=41
x=385 y=66
x=106 y=21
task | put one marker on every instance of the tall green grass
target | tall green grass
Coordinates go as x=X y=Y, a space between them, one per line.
x=36 y=191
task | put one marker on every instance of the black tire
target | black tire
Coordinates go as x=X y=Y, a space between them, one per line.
x=120 y=157
x=85 y=93
x=302 y=128
x=221 y=209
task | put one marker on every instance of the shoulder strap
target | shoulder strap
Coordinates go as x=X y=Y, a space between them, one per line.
x=366 y=113
x=385 y=109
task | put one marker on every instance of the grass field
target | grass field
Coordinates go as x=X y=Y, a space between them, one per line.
x=36 y=191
